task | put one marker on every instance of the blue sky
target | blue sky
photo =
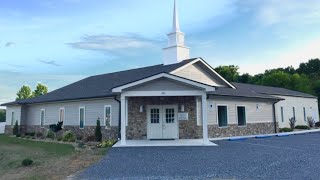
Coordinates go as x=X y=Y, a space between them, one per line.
x=57 y=42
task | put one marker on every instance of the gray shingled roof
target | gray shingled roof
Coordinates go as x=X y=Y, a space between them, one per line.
x=102 y=85
x=271 y=90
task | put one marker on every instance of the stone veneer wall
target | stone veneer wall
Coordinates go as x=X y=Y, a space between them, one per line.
x=87 y=131
x=137 y=121
x=235 y=130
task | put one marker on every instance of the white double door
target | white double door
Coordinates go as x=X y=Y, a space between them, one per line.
x=162 y=122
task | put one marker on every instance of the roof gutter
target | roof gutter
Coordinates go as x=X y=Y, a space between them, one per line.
x=274 y=116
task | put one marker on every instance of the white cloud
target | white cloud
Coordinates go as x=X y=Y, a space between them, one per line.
x=111 y=43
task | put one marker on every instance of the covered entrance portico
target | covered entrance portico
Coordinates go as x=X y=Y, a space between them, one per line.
x=163 y=107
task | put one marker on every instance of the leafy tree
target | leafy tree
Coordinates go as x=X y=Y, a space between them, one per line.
x=230 y=72
x=2 y=115
x=98 y=133
x=40 y=90
x=24 y=93
x=244 y=78
x=276 y=79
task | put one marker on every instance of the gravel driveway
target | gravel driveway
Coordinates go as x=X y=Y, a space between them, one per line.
x=291 y=157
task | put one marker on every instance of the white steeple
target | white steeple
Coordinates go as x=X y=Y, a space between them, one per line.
x=176 y=50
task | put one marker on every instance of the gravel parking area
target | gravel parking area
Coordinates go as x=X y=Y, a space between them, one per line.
x=289 y=157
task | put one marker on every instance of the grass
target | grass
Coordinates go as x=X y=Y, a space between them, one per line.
x=50 y=160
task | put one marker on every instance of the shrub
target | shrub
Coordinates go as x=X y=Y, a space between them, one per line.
x=28 y=137
x=311 y=122
x=302 y=127
x=15 y=130
x=90 y=138
x=18 y=135
x=56 y=127
x=60 y=138
x=39 y=135
x=27 y=162
x=317 y=124
x=68 y=136
x=98 y=133
x=30 y=133
x=50 y=134
x=285 y=129
x=108 y=143
x=292 y=122
x=79 y=137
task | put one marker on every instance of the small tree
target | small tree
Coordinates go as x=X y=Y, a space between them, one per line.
x=292 y=122
x=15 y=130
x=98 y=133
x=310 y=121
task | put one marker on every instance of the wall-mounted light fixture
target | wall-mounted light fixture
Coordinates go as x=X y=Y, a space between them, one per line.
x=141 y=108
x=182 y=108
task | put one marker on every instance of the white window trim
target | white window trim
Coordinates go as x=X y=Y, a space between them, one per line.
x=44 y=117
x=64 y=115
x=12 y=118
x=104 y=117
x=218 y=115
x=246 y=117
x=84 y=116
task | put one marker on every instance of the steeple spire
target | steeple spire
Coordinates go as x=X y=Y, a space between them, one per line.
x=176 y=25
x=176 y=50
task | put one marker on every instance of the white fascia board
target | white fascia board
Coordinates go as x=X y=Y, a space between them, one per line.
x=211 y=69
x=173 y=77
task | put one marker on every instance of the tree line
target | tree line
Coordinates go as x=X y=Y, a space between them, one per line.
x=305 y=78
x=25 y=91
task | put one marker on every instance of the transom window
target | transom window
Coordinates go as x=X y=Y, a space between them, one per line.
x=42 y=117
x=222 y=116
x=155 y=116
x=241 y=111
x=107 y=116
x=81 y=117
x=170 y=115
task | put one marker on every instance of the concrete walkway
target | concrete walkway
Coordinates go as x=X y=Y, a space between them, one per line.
x=165 y=143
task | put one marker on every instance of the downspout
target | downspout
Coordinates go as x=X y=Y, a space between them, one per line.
x=274 y=117
x=119 y=123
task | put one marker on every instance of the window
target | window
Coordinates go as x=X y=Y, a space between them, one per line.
x=222 y=116
x=61 y=115
x=42 y=117
x=294 y=112
x=107 y=116
x=12 y=118
x=155 y=116
x=304 y=114
x=282 y=115
x=82 y=115
x=241 y=111
x=170 y=115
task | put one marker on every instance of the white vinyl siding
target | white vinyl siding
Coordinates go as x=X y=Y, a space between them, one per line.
x=196 y=73
x=94 y=110
x=42 y=117
x=107 y=116
x=82 y=116
x=263 y=115
x=16 y=116
x=310 y=105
